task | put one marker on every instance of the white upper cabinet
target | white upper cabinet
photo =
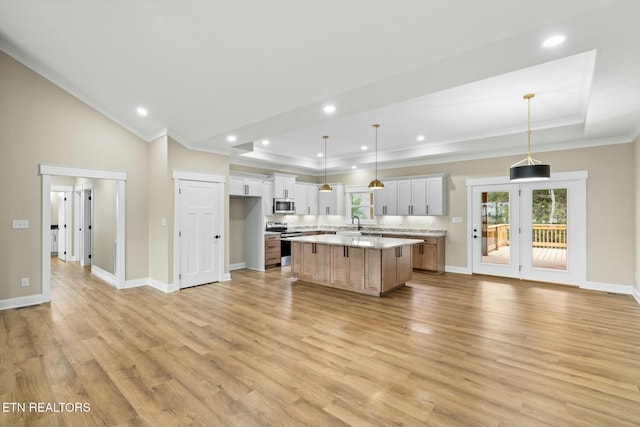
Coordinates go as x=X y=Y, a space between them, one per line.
x=332 y=203
x=426 y=195
x=437 y=195
x=385 y=200
x=306 y=199
x=244 y=185
x=267 y=198
x=284 y=186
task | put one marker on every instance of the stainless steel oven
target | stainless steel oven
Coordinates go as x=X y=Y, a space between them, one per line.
x=285 y=247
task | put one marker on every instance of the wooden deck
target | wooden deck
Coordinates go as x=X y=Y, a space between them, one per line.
x=555 y=258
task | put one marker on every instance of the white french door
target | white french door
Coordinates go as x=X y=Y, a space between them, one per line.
x=64 y=226
x=199 y=233
x=495 y=216
x=534 y=231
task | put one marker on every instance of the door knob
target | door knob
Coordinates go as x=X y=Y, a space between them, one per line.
x=217 y=236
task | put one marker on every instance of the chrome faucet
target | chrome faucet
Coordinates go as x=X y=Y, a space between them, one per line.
x=358 y=218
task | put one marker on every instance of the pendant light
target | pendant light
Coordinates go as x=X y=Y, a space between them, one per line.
x=376 y=183
x=325 y=188
x=529 y=169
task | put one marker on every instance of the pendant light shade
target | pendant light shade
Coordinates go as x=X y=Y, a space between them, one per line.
x=529 y=169
x=325 y=188
x=376 y=183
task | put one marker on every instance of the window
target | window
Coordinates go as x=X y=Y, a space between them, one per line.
x=360 y=204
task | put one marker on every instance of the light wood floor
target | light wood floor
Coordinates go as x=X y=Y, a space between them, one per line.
x=260 y=350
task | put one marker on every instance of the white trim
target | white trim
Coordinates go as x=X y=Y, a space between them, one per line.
x=237 y=266
x=636 y=294
x=20 y=302
x=61 y=188
x=121 y=246
x=104 y=275
x=457 y=270
x=152 y=283
x=226 y=277
x=195 y=176
x=608 y=287
x=559 y=176
x=46 y=239
x=82 y=172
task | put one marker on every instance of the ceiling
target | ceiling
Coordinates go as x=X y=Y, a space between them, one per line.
x=451 y=71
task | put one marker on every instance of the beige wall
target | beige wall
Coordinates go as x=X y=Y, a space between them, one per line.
x=42 y=124
x=104 y=224
x=236 y=230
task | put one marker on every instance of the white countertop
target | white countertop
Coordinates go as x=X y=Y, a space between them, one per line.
x=357 y=241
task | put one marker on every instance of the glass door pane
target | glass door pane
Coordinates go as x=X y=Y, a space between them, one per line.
x=495 y=227
x=549 y=228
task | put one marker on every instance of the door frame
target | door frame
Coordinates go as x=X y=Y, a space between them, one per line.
x=581 y=226
x=46 y=171
x=68 y=192
x=178 y=176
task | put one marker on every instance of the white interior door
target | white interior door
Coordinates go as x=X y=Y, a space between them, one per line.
x=64 y=225
x=495 y=230
x=200 y=233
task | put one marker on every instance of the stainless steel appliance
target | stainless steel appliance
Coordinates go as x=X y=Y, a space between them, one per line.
x=285 y=245
x=284 y=206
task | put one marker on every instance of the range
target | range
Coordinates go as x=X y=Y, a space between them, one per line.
x=285 y=245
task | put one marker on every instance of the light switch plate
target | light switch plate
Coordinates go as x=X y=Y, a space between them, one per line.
x=20 y=223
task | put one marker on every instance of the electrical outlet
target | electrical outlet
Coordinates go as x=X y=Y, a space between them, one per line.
x=24 y=282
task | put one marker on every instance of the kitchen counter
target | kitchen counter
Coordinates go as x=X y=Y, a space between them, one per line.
x=414 y=232
x=355 y=241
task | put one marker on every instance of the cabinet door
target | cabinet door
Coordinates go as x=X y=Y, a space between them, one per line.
x=309 y=262
x=312 y=200
x=253 y=186
x=430 y=257
x=301 y=200
x=392 y=197
x=404 y=197
x=296 y=258
x=419 y=196
x=323 y=271
x=380 y=198
x=404 y=266
x=236 y=186
x=356 y=268
x=327 y=203
x=267 y=198
x=435 y=196
x=290 y=188
x=340 y=264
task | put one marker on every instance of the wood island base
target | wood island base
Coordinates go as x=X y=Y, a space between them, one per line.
x=349 y=264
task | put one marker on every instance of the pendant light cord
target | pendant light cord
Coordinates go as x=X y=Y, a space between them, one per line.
x=376 y=127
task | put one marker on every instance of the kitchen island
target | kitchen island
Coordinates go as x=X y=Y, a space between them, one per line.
x=363 y=264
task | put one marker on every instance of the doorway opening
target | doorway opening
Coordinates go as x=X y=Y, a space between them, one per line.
x=84 y=243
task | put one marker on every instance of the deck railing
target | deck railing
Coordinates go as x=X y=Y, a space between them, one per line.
x=544 y=236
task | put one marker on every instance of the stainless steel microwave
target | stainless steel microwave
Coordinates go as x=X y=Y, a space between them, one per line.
x=284 y=206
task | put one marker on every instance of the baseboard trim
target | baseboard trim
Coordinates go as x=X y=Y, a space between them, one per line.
x=237 y=266
x=104 y=275
x=636 y=295
x=608 y=287
x=456 y=269
x=19 y=302
x=226 y=277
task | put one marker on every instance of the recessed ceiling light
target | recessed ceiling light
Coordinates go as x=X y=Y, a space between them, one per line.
x=142 y=111
x=319 y=154
x=364 y=148
x=420 y=138
x=329 y=109
x=265 y=142
x=353 y=167
x=554 y=41
x=232 y=138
